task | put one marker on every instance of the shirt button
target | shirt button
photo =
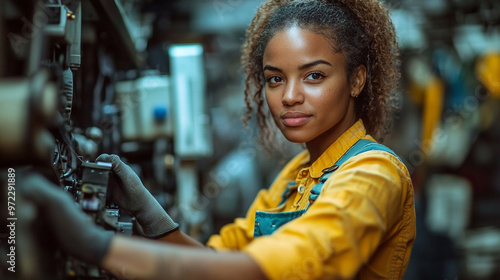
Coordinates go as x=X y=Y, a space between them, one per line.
x=304 y=173
x=301 y=189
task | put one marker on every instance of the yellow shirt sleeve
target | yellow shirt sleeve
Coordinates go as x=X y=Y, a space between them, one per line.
x=367 y=202
x=238 y=234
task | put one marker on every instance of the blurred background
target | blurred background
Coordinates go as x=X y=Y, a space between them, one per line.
x=160 y=84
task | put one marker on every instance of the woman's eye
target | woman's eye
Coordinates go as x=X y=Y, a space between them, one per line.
x=274 y=80
x=315 y=76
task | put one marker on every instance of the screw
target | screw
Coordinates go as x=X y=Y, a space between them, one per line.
x=70 y=16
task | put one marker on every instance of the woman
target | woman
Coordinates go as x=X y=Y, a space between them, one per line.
x=342 y=209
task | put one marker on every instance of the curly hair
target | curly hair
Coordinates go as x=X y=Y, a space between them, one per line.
x=360 y=29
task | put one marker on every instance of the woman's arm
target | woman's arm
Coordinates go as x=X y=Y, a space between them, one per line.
x=133 y=258
x=129 y=257
x=180 y=238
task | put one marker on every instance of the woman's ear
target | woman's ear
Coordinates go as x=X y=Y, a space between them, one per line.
x=358 y=80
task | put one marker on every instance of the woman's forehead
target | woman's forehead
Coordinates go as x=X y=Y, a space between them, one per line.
x=300 y=46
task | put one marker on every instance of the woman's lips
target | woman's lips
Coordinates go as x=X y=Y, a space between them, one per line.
x=295 y=118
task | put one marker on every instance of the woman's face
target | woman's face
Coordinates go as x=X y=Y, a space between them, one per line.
x=307 y=89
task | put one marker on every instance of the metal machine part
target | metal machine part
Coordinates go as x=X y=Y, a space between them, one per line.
x=94 y=187
x=192 y=135
x=78 y=87
x=145 y=105
x=191 y=124
x=93 y=196
x=27 y=107
x=40 y=87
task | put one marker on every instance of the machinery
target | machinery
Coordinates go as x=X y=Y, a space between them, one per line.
x=75 y=83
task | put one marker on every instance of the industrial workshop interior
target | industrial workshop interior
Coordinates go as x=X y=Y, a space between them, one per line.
x=160 y=84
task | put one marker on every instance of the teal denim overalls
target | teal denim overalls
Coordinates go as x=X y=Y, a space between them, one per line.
x=266 y=223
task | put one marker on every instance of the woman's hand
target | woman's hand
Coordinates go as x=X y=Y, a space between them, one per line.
x=77 y=235
x=128 y=192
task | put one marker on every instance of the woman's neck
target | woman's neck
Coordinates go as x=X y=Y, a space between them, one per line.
x=320 y=144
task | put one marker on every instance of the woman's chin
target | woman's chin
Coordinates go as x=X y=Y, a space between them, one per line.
x=295 y=138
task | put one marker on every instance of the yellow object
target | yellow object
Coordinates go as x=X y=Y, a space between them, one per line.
x=363 y=222
x=416 y=93
x=488 y=72
x=432 y=112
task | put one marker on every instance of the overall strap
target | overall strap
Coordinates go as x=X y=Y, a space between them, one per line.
x=361 y=146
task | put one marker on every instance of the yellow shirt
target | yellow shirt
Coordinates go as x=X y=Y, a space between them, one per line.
x=362 y=224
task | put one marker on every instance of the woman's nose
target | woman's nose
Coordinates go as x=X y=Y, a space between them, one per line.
x=293 y=94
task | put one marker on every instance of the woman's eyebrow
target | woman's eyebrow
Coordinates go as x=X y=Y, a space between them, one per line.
x=302 y=67
x=314 y=63
x=272 y=68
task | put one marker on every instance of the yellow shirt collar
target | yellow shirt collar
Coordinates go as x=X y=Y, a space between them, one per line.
x=334 y=151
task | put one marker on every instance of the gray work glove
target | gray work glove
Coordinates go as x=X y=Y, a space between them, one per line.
x=75 y=232
x=128 y=192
